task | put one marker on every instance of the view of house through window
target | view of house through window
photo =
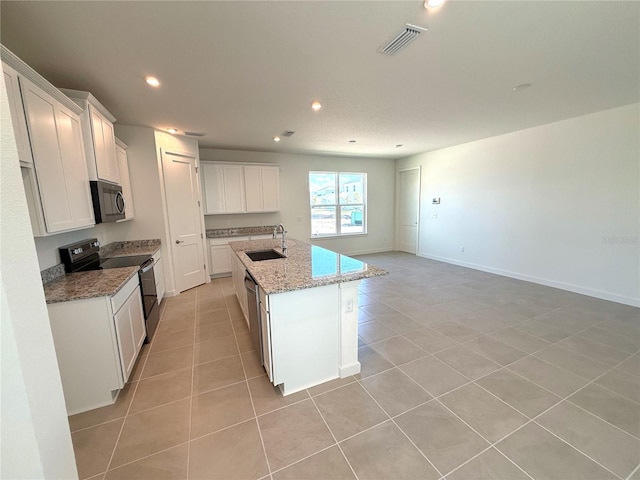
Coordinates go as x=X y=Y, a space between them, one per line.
x=338 y=203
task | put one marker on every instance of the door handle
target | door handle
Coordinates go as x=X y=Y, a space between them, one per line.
x=179 y=242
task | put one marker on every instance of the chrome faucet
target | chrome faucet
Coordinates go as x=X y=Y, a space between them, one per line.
x=280 y=228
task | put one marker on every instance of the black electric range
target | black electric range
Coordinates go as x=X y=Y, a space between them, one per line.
x=84 y=255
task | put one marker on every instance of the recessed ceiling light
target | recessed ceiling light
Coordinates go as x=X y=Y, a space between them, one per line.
x=172 y=131
x=352 y=141
x=153 y=81
x=522 y=86
x=276 y=138
x=433 y=3
x=316 y=105
x=399 y=145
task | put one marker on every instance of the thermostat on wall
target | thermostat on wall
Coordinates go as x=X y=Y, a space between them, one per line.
x=436 y=201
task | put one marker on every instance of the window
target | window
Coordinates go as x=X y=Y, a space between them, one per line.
x=338 y=203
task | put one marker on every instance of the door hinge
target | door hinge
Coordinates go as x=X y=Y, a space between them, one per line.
x=196 y=169
x=201 y=236
x=198 y=202
x=204 y=266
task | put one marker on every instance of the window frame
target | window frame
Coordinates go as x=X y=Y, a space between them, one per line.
x=338 y=205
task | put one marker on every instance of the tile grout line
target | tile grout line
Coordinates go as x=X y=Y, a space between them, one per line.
x=193 y=370
x=333 y=436
x=253 y=406
x=397 y=426
x=126 y=416
x=473 y=381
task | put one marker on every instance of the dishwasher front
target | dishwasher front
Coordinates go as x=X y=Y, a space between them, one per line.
x=253 y=312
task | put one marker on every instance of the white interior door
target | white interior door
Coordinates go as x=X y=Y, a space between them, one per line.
x=408 y=208
x=187 y=243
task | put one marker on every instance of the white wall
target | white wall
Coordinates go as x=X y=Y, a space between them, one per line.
x=556 y=204
x=294 y=197
x=35 y=439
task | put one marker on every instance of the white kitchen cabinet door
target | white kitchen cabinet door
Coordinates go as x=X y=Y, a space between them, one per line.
x=262 y=188
x=237 y=275
x=219 y=259
x=253 y=188
x=266 y=338
x=213 y=183
x=234 y=189
x=158 y=273
x=104 y=146
x=125 y=182
x=17 y=114
x=270 y=189
x=130 y=331
x=58 y=152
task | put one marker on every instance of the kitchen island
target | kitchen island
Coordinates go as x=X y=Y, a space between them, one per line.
x=308 y=310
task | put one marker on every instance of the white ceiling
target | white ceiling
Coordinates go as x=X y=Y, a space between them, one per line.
x=244 y=71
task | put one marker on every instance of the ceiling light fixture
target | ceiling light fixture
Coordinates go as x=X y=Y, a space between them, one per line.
x=352 y=141
x=172 y=131
x=153 y=81
x=433 y=3
x=399 y=145
x=316 y=105
x=276 y=138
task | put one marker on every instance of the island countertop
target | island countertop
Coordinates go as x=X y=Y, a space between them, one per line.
x=306 y=266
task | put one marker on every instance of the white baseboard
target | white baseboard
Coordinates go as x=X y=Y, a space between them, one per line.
x=591 y=292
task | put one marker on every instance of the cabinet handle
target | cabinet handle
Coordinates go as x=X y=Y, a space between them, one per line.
x=179 y=242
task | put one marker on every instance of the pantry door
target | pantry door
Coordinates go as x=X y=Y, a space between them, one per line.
x=408 y=209
x=185 y=226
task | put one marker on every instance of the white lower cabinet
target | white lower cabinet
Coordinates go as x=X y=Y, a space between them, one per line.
x=221 y=256
x=265 y=328
x=130 y=330
x=158 y=273
x=97 y=341
x=237 y=275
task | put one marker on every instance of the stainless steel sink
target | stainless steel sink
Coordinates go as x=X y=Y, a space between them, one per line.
x=260 y=255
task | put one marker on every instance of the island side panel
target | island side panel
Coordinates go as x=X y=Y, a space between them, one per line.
x=305 y=337
x=349 y=364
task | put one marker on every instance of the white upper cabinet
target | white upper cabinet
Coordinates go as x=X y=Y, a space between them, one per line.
x=253 y=188
x=60 y=190
x=262 y=184
x=17 y=114
x=123 y=167
x=240 y=188
x=234 y=188
x=100 y=141
x=223 y=188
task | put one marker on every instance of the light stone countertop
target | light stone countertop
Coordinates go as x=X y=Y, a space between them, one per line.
x=99 y=283
x=91 y=284
x=240 y=231
x=306 y=266
x=130 y=248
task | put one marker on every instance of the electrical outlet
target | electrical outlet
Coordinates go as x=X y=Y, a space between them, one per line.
x=349 y=305
x=461 y=248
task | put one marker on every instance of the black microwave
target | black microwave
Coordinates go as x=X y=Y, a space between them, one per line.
x=108 y=202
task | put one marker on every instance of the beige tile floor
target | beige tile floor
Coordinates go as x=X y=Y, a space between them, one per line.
x=465 y=375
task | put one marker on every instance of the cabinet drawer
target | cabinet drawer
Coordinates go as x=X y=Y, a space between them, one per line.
x=121 y=297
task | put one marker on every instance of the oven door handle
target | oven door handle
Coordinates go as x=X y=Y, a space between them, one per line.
x=147 y=265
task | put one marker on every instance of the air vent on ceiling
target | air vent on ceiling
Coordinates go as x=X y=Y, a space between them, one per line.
x=195 y=134
x=287 y=133
x=408 y=34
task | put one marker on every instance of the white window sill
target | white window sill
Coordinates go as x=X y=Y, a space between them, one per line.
x=341 y=235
